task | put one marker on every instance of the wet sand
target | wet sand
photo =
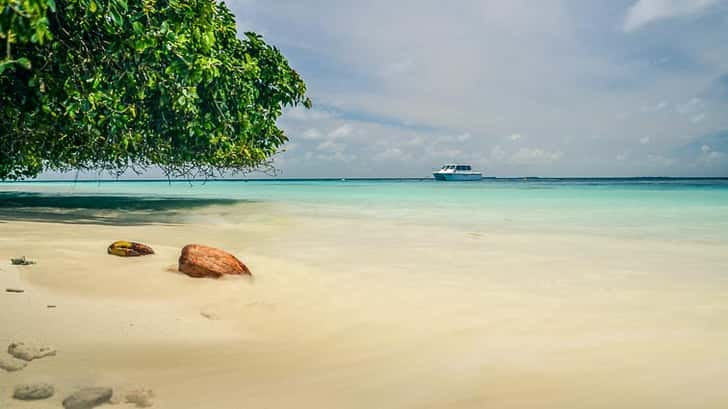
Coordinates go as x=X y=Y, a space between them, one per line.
x=361 y=313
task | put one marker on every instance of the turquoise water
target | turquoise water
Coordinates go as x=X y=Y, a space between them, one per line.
x=669 y=209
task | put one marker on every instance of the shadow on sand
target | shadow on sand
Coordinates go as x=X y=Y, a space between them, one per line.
x=103 y=210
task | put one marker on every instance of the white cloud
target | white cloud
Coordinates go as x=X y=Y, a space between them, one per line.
x=622 y=116
x=337 y=132
x=709 y=156
x=336 y=156
x=514 y=137
x=622 y=157
x=453 y=139
x=497 y=153
x=341 y=131
x=535 y=156
x=645 y=140
x=448 y=155
x=645 y=12
x=463 y=137
x=312 y=134
x=391 y=154
x=697 y=118
x=398 y=68
x=417 y=140
x=660 y=161
x=715 y=156
x=689 y=107
x=655 y=108
x=330 y=146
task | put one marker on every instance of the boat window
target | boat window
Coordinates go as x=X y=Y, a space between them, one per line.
x=467 y=167
x=460 y=168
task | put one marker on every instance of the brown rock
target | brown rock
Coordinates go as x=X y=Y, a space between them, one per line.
x=123 y=248
x=202 y=261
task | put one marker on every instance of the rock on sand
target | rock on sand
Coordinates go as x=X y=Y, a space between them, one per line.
x=123 y=248
x=11 y=364
x=87 y=398
x=33 y=391
x=141 y=398
x=28 y=352
x=203 y=261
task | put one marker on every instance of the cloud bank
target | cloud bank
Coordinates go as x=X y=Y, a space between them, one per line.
x=645 y=12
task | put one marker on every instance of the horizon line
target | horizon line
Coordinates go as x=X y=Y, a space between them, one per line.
x=332 y=179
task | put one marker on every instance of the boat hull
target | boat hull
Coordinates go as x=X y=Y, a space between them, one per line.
x=458 y=177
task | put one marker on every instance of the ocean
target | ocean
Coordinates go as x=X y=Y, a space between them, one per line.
x=660 y=208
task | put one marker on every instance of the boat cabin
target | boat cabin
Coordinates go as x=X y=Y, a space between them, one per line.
x=457 y=167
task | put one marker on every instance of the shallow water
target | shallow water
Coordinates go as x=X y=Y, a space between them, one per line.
x=669 y=209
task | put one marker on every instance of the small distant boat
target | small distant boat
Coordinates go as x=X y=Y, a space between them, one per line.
x=457 y=173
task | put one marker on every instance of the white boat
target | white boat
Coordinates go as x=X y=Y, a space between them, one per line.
x=457 y=173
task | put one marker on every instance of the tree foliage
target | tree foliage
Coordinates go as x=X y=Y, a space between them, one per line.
x=113 y=84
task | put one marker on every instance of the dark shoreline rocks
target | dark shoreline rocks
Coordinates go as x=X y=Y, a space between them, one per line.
x=202 y=261
x=14 y=290
x=22 y=261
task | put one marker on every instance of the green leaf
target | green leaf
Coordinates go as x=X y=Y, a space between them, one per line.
x=116 y=16
x=23 y=62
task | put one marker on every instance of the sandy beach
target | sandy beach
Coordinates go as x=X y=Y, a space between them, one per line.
x=384 y=318
x=340 y=204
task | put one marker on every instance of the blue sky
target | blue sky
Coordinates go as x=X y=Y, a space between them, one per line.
x=516 y=87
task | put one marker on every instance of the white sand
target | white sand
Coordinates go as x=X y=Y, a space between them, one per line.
x=370 y=314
